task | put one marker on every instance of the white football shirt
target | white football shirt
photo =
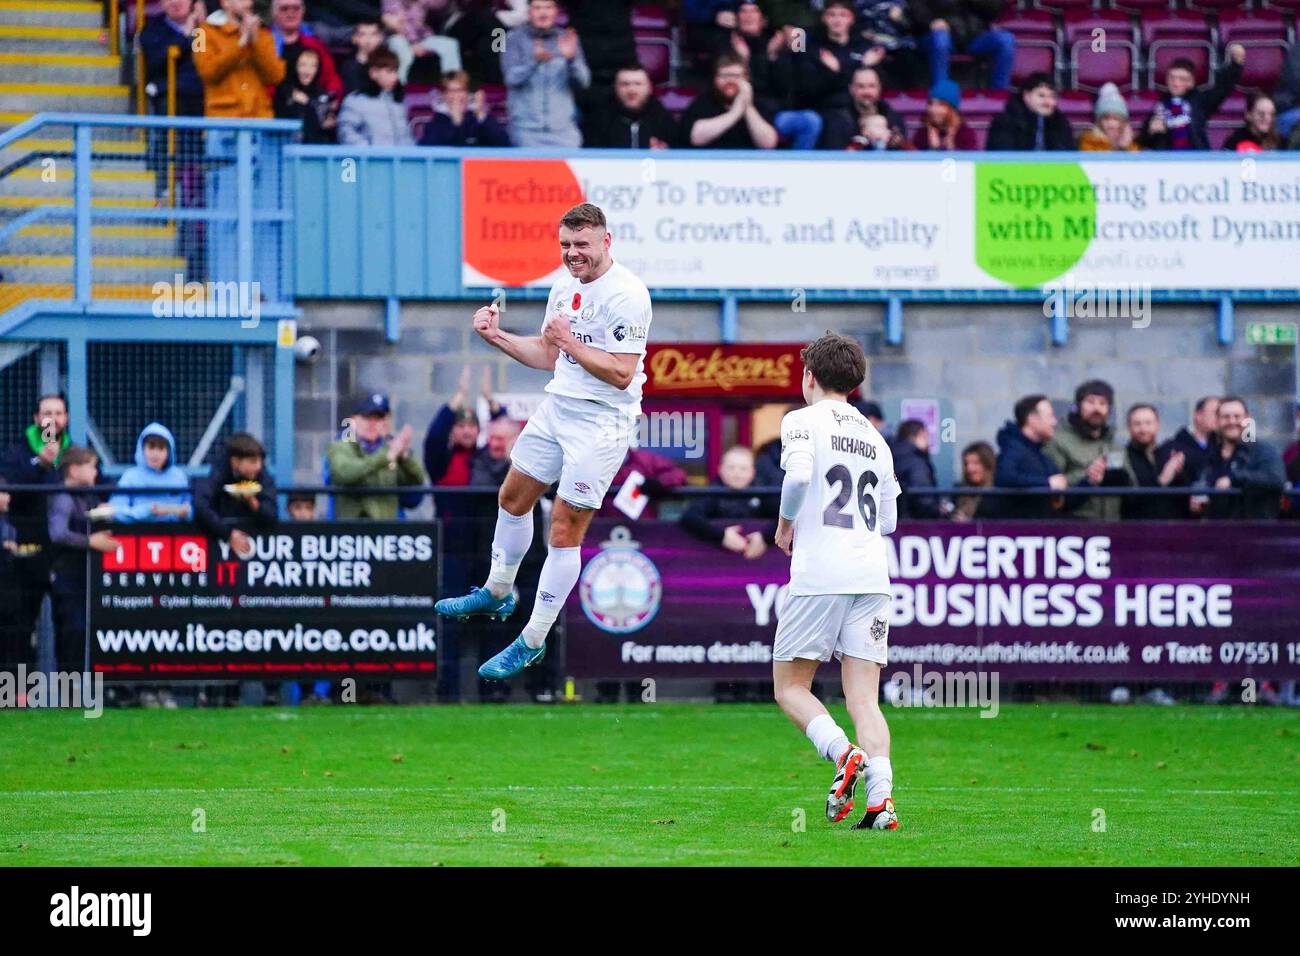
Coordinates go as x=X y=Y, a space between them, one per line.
x=611 y=313
x=838 y=548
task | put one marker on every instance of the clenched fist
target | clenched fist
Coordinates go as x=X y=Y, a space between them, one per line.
x=486 y=322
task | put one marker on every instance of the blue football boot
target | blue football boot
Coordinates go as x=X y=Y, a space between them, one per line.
x=479 y=601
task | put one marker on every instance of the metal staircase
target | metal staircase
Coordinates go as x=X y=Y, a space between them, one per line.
x=55 y=56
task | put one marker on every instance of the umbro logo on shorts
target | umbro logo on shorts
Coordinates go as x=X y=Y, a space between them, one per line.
x=582 y=486
x=546 y=596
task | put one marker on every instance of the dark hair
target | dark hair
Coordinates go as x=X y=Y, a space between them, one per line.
x=1026 y=407
x=909 y=429
x=1181 y=63
x=383 y=58
x=583 y=216
x=75 y=455
x=836 y=361
x=846 y=4
x=152 y=437
x=1094 y=386
x=302 y=496
x=368 y=22
x=1205 y=400
x=244 y=445
x=1142 y=406
x=1034 y=80
x=59 y=395
x=1235 y=398
x=730 y=59
x=984 y=452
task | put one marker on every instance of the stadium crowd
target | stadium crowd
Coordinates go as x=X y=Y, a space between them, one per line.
x=46 y=536
x=721 y=74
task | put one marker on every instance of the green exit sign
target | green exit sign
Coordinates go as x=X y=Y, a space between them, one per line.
x=1271 y=333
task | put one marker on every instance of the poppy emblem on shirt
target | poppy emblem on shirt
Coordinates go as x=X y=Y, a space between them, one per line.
x=577 y=301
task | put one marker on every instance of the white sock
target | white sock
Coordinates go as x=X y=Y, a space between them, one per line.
x=880 y=780
x=827 y=737
x=559 y=575
x=513 y=537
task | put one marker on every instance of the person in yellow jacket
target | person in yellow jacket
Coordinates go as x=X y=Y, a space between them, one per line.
x=236 y=60
x=1111 y=132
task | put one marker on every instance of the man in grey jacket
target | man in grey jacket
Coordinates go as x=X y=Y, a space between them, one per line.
x=542 y=66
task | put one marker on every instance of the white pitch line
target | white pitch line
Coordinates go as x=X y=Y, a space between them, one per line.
x=627 y=788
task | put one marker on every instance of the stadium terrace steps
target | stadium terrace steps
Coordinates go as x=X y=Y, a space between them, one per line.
x=64 y=98
x=114 y=269
x=52 y=13
x=54 y=57
x=153 y=241
x=73 y=68
x=22 y=38
x=59 y=180
x=16 y=293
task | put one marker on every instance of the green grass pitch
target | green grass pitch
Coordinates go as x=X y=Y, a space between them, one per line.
x=648 y=784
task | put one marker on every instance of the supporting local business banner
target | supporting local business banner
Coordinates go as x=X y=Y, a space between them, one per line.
x=1029 y=600
x=868 y=222
x=317 y=599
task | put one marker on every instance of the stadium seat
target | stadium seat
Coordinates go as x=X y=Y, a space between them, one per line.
x=1232 y=108
x=1140 y=104
x=913 y=102
x=1172 y=24
x=1077 y=106
x=655 y=53
x=1063 y=6
x=1028 y=24
x=1241 y=26
x=646 y=16
x=1218 y=132
x=1037 y=49
x=676 y=98
x=1264 y=61
x=1213 y=6
x=983 y=102
x=1116 y=63
x=495 y=95
x=1286 y=6
x=1163 y=52
x=1143 y=7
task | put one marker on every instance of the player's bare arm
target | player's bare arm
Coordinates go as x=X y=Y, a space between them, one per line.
x=528 y=350
x=614 y=368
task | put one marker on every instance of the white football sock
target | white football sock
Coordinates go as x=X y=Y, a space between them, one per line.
x=827 y=737
x=880 y=780
x=559 y=575
x=513 y=537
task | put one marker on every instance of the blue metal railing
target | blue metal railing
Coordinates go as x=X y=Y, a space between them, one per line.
x=233 y=216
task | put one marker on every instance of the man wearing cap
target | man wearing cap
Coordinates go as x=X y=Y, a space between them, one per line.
x=369 y=455
x=1085 y=451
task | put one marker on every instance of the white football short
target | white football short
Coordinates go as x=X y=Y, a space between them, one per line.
x=816 y=626
x=578 y=442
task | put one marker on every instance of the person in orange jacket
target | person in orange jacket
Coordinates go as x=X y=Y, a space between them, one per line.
x=236 y=59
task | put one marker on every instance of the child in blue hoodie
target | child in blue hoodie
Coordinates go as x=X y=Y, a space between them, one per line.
x=155 y=467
